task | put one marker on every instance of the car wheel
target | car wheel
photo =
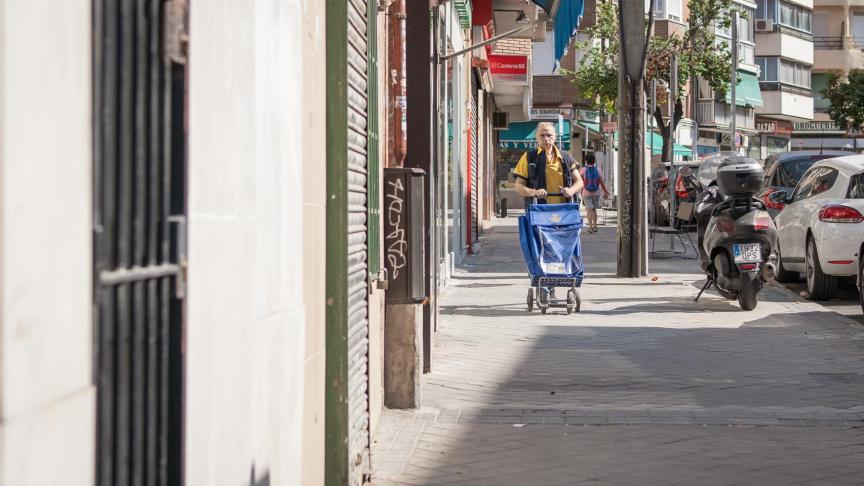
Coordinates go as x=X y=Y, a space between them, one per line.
x=860 y=281
x=819 y=285
x=783 y=275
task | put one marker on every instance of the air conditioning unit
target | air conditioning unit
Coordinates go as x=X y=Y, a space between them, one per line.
x=764 y=25
x=500 y=120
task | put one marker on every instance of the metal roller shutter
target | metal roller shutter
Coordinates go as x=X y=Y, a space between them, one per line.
x=472 y=201
x=358 y=322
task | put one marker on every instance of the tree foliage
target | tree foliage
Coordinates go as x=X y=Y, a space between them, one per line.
x=846 y=95
x=699 y=52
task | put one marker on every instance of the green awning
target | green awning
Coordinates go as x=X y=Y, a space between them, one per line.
x=655 y=142
x=747 y=92
x=593 y=126
x=523 y=135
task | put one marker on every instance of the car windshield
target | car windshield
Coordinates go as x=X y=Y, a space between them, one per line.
x=790 y=171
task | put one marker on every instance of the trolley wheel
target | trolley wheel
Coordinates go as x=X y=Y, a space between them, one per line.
x=530 y=299
x=574 y=302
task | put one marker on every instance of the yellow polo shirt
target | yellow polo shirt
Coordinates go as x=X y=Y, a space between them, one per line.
x=554 y=173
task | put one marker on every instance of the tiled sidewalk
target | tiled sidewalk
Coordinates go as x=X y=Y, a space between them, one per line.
x=644 y=386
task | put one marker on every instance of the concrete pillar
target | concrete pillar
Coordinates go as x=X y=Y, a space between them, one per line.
x=403 y=349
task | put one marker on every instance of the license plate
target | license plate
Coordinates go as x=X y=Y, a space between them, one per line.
x=747 y=252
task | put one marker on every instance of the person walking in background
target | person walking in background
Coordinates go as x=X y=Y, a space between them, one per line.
x=593 y=187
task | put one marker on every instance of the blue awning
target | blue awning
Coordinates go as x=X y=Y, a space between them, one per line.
x=546 y=5
x=566 y=22
x=523 y=135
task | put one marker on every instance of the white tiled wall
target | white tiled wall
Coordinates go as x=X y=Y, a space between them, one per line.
x=47 y=399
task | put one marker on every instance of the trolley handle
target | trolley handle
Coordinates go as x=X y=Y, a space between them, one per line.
x=548 y=194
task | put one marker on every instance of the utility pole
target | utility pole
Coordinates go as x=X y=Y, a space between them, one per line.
x=632 y=184
x=672 y=173
x=733 y=82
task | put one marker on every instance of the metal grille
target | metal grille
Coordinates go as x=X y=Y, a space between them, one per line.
x=472 y=201
x=358 y=323
x=139 y=170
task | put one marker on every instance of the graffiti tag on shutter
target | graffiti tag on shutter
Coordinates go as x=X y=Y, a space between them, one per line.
x=397 y=244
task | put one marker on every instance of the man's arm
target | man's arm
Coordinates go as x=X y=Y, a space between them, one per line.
x=574 y=188
x=526 y=191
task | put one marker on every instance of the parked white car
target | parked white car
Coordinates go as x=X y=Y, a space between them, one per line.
x=822 y=226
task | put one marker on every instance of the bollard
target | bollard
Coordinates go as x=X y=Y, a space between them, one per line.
x=503 y=207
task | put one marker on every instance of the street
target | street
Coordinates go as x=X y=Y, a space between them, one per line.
x=644 y=386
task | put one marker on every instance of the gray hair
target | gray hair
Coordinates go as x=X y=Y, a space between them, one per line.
x=543 y=126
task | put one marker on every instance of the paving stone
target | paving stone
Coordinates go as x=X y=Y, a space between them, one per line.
x=643 y=386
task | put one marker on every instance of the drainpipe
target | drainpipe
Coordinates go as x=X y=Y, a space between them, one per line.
x=396 y=144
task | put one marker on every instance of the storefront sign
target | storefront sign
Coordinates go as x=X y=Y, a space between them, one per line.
x=586 y=115
x=766 y=127
x=817 y=127
x=550 y=113
x=513 y=68
x=610 y=127
x=774 y=127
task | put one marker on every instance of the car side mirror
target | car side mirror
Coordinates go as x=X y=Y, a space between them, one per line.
x=779 y=197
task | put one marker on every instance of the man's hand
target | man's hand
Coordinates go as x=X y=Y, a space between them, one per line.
x=567 y=192
x=605 y=194
x=540 y=193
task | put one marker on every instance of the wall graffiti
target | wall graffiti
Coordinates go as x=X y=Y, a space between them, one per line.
x=395 y=241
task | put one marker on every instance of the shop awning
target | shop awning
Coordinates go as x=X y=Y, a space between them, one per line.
x=566 y=22
x=546 y=5
x=593 y=126
x=523 y=135
x=747 y=92
x=655 y=142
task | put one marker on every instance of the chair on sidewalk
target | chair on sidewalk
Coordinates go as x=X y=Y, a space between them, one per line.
x=679 y=229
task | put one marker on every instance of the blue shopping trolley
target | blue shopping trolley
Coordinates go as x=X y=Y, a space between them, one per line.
x=549 y=236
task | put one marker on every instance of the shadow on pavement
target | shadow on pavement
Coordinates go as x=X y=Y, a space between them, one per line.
x=763 y=403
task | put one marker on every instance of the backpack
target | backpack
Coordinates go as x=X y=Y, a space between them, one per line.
x=592 y=178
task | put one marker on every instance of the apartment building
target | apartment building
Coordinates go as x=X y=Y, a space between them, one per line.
x=713 y=112
x=784 y=54
x=838 y=39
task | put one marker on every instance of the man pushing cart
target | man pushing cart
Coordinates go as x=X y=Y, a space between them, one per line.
x=549 y=231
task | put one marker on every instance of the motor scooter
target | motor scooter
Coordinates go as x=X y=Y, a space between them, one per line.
x=737 y=237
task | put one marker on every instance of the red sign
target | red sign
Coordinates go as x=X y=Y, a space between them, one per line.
x=508 y=65
x=610 y=127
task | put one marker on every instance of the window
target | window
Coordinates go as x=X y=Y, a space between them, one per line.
x=856 y=187
x=745 y=27
x=766 y=9
x=815 y=182
x=794 y=73
x=825 y=181
x=819 y=81
x=803 y=190
x=774 y=70
x=767 y=69
x=789 y=172
x=796 y=17
x=667 y=9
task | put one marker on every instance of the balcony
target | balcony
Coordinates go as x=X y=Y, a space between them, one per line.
x=781 y=44
x=711 y=113
x=786 y=105
x=828 y=43
x=838 y=53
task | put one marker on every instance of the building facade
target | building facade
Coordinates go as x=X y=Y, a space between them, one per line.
x=838 y=30
x=784 y=53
